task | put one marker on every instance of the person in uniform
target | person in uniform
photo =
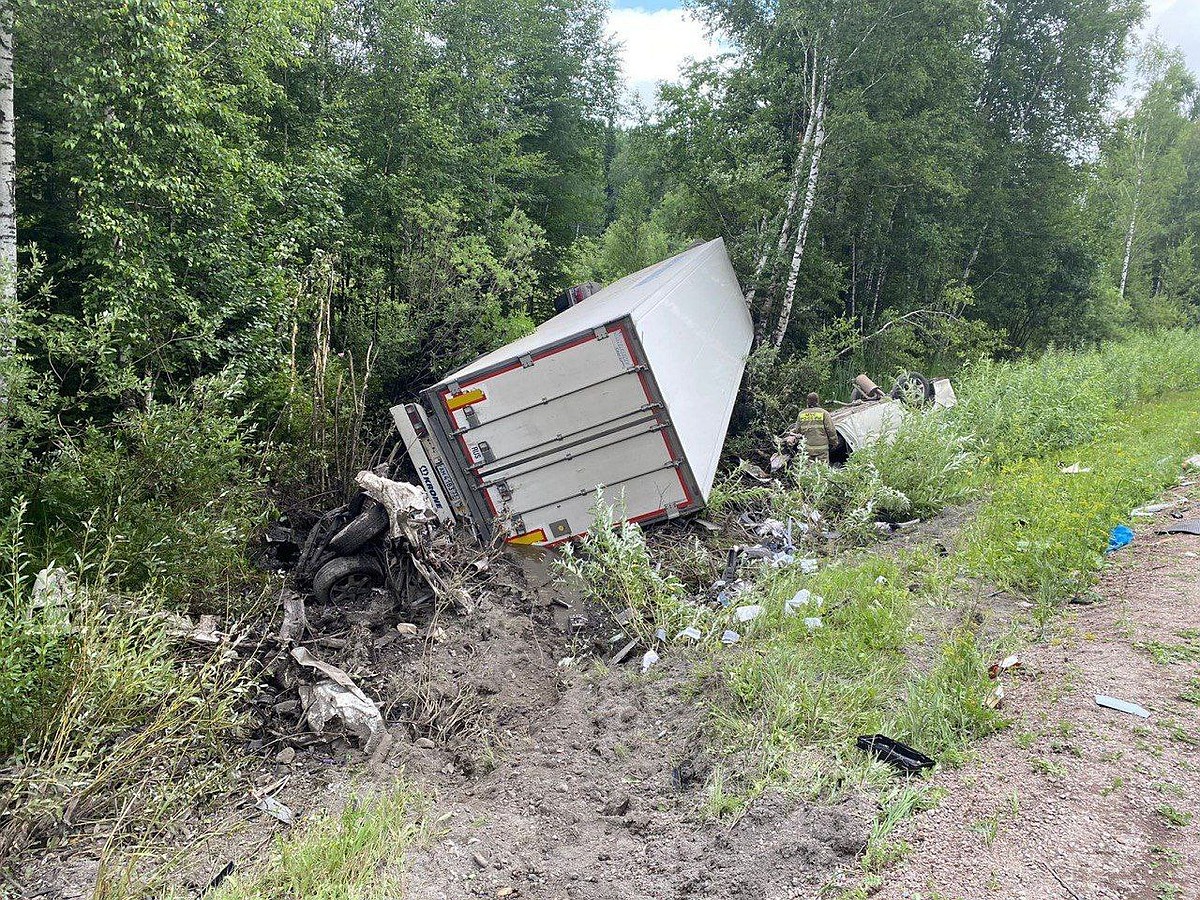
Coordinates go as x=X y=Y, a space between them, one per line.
x=816 y=427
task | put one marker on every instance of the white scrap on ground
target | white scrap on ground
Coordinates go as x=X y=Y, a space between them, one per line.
x=338 y=698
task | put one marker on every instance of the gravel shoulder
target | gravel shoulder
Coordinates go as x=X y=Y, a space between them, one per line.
x=1076 y=801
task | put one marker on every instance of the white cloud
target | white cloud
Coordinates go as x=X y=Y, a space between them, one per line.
x=1178 y=22
x=657 y=44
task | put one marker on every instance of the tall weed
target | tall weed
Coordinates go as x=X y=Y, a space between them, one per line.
x=613 y=567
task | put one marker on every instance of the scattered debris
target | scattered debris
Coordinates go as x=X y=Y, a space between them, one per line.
x=747 y=613
x=407 y=629
x=812 y=623
x=1192 y=462
x=1009 y=662
x=338 y=698
x=623 y=653
x=890 y=750
x=996 y=698
x=809 y=566
x=649 y=658
x=691 y=632
x=275 y=809
x=1186 y=526
x=219 y=878
x=1074 y=469
x=408 y=506
x=730 y=636
x=295 y=620
x=53 y=591
x=1146 y=512
x=1122 y=706
x=1120 y=536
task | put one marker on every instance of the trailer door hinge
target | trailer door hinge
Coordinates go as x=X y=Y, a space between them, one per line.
x=600 y=332
x=526 y=361
x=672 y=510
x=503 y=490
x=485 y=452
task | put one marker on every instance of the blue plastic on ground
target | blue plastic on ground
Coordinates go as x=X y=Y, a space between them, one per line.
x=1119 y=537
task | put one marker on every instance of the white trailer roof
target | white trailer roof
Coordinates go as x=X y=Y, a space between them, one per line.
x=632 y=295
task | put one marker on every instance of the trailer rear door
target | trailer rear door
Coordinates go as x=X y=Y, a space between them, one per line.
x=536 y=436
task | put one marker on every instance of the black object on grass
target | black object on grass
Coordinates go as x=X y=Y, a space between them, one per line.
x=889 y=750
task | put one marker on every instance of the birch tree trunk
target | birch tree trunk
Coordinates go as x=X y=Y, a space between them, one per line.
x=785 y=228
x=8 y=161
x=810 y=197
x=1133 y=215
x=8 y=205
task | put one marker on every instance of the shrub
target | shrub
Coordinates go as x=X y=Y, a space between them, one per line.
x=170 y=494
x=613 y=567
x=106 y=706
x=34 y=642
x=927 y=461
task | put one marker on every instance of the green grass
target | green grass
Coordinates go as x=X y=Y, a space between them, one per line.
x=798 y=697
x=357 y=854
x=1173 y=816
x=1043 y=533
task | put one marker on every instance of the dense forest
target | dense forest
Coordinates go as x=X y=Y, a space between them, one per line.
x=339 y=200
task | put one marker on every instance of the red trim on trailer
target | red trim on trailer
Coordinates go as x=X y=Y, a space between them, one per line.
x=619 y=328
x=649 y=399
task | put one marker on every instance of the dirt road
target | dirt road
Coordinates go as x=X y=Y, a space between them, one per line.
x=1075 y=801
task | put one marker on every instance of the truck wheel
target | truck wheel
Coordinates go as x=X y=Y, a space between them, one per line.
x=347 y=579
x=366 y=526
x=911 y=383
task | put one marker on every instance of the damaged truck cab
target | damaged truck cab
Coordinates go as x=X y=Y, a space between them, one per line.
x=629 y=391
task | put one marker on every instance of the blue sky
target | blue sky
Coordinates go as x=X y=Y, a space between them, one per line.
x=659 y=36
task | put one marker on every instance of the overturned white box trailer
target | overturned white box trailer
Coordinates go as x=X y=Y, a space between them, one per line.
x=630 y=391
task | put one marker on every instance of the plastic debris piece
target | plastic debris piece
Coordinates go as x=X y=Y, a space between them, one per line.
x=747 y=613
x=660 y=634
x=1185 y=526
x=621 y=654
x=275 y=809
x=1122 y=706
x=1146 y=512
x=996 y=698
x=882 y=579
x=812 y=622
x=1192 y=462
x=406 y=628
x=730 y=636
x=52 y=595
x=792 y=605
x=691 y=632
x=1120 y=536
x=1003 y=665
x=338 y=698
x=809 y=566
x=1074 y=469
x=649 y=658
x=890 y=750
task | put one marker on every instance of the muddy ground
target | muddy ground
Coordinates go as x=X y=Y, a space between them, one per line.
x=552 y=775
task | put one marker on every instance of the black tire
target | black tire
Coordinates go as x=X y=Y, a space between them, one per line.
x=346 y=579
x=905 y=384
x=366 y=526
x=315 y=552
